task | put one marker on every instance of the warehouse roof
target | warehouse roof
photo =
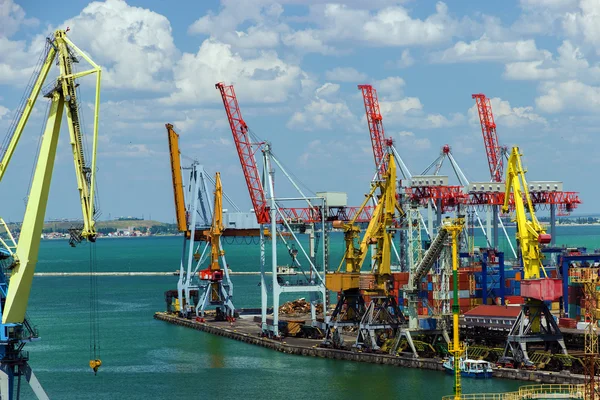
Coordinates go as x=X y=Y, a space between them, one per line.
x=494 y=311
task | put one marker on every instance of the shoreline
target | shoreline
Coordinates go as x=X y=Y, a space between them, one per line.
x=245 y=332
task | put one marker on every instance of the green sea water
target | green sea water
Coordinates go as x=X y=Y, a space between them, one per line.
x=144 y=358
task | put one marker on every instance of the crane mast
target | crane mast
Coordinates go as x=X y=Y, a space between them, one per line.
x=216 y=229
x=16 y=278
x=530 y=233
x=351 y=309
x=241 y=137
x=175 y=157
x=535 y=323
x=490 y=137
x=375 y=122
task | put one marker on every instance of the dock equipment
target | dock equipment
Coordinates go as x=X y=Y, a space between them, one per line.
x=216 y=290
x=534 y=324
x=269 y=210
x=589 y=278
x=381 y=312
x=417 y=272
x=19 y=259
x=456 y=348
x=554 y=197
x=196 y=288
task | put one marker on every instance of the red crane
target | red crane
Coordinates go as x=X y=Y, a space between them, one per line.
x=246 y=150
x=490 y=137
x=375 y=121
x=566 y=201
x=239 y=129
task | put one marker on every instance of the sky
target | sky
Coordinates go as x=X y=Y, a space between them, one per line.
x=295 y=66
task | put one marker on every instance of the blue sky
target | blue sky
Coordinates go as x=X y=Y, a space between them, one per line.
x=296 y=66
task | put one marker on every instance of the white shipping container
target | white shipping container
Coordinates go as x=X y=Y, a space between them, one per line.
x=334 y=199
x=240 y=220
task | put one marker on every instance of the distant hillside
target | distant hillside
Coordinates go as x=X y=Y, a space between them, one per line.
x=105 y=226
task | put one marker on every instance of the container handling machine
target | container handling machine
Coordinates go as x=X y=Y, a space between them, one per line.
x=535 y=323
x=18 y=258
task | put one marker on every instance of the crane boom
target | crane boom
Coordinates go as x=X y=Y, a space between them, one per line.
x=216 y=228
x=490 y=137
x=7 y=152
x=84 y=172
x=529 y=233
x=375 y=122
x=62 y=96
x=177 y=178
x=535 y=323
x=241 y=137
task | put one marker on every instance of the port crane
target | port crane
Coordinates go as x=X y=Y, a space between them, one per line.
x=382 y=311
x=197 y=288
x=217 y=291
x=544 y=194
x=269 y=210
x=19 y=258
x=535 y=323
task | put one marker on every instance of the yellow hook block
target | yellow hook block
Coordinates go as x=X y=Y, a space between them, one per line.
x=95 y=364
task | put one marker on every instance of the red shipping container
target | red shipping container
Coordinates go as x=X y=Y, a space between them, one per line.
x=567 y=323
x=542 y=289
x=514 y=299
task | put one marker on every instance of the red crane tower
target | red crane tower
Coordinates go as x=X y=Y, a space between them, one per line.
x=245 y=152
x=490 y=137
x=565 y=202
x=375 y=121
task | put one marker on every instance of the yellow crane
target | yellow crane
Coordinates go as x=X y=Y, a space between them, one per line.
x=351 y=308
x=175 y=157
x=535 y=323
x=20 y=260
x=217 y=285
x=455 y=348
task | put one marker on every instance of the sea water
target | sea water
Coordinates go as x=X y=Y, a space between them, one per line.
x=144 y=358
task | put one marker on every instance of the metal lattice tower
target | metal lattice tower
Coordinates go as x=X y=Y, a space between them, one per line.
x=441 y=286
x=415 y=245
x=588 y=278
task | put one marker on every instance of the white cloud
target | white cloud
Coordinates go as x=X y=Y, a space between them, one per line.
x=265 y=78
x=307 y=41
x=233 y=14
x=548 y=3
x=17 y=60
x=327 y=90
x=507 y=116
x=405 y=60
x=12 y=16
x=528 y=70
x=389 y=26
x=584 y=23
x=3 y=112
x=439 y=121
x=407 y=139
x=484 y=49
x=570 y=63
x=345 y=74
x=394 y=111
x=133 y=45
x=569 y=95
x=263 y=16
x=391 y=87
x=321 y=114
